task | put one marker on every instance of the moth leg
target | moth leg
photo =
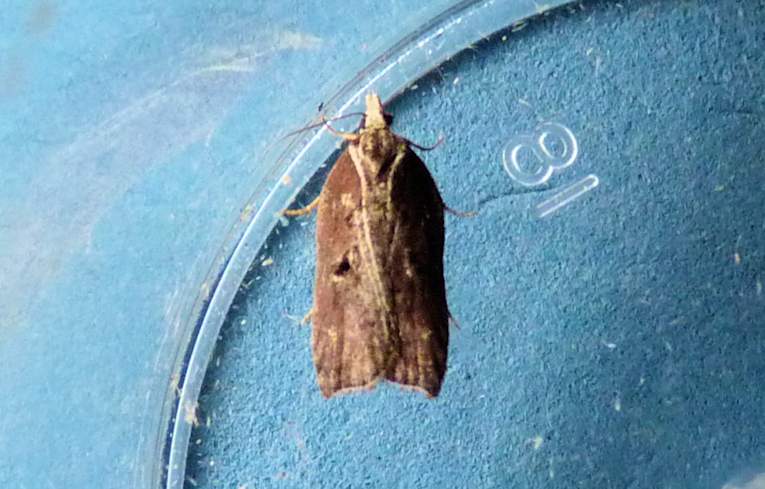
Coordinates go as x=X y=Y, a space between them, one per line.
x=348 y=136
x=307 y=318
x=452 y=320
x=300 y=321
x=460 y=213
x=304 y=210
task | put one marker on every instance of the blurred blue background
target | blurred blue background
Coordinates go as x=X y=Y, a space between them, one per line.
x=618 y=342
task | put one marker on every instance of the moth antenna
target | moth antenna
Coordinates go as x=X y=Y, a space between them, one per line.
x=322 y=122
x=427 y=148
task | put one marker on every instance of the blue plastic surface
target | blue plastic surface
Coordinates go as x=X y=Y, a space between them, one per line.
x=618 y=342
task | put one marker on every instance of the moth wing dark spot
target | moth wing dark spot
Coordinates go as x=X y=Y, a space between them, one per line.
x=343 y=267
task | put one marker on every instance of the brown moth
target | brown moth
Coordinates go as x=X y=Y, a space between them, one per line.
x=380 y=307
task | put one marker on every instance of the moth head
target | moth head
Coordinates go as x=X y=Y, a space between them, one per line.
x=374 y=116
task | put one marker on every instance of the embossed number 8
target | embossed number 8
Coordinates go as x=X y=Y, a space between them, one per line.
x=538 y=144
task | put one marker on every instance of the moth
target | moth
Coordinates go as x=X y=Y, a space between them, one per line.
x=380 y=309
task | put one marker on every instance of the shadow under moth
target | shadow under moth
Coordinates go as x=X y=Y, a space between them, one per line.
x=379 y=307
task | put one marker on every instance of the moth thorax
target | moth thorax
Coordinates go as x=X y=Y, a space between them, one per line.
x=379 y=148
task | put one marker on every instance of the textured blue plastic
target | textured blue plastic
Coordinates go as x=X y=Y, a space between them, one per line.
x=617 y=343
